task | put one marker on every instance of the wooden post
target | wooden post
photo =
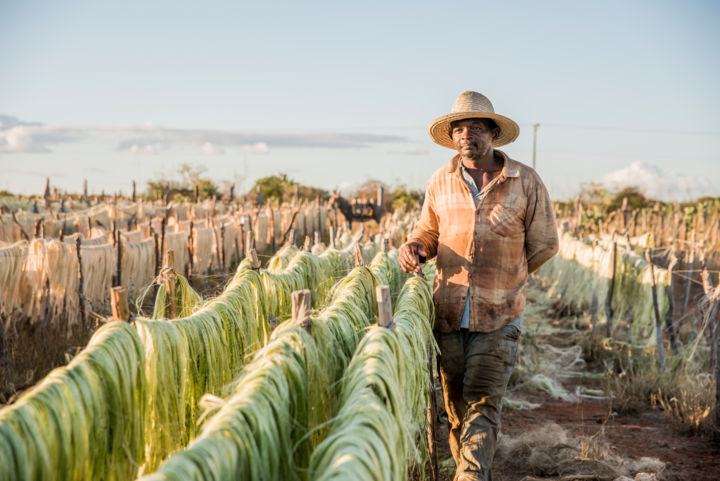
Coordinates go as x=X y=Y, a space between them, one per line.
x=85 y=192
x=119 y=303
x=254 y=261
x=658 y=323
x=300 y=304
x=191 y=250
x=359 y=259
x=222 y=248
x=248 y=242
x=218 y=248
x=306 y=245
x=611 y=288
x=332 y=237
x=317 y=237
x=382 y=294
x=158 y=259
x=171 y=310
x=46 y=192
x=163 y=223
x=301 y=307
x=81 y=296
x=669 y=327
x=271 y=228
x=133 y=191
x=118 y=269
x=241 y=236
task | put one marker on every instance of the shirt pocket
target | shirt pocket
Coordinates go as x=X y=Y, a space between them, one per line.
x=505 y=219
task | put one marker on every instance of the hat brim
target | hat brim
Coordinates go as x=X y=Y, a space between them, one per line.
x=439 y=129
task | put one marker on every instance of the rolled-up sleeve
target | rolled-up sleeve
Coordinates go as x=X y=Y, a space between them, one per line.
x=426 y=231
x=541 y=236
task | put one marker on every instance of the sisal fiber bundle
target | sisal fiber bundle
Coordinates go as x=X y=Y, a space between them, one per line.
x=12 y=259
x=203 y=249
x=138 y=265
x=178 y=243
x=83 y=421
x=99 y=264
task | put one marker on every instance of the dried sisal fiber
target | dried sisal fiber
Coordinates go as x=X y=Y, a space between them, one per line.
x=203 y=249
x=133 y=235
x=178 y=243
x=98 y=264
x=9 y=233
x=138 y=266
x=12 y=259
x=229 y=241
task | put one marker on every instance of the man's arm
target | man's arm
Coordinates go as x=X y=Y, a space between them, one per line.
x=541 y=237
x=426 y=231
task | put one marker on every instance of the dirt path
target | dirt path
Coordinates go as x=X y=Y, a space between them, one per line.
x=648 y=434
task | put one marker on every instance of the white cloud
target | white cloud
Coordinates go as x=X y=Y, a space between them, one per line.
x=257 y=148
x=149 y=148
x=211 y=149
x=658 y=184
x=21 y=136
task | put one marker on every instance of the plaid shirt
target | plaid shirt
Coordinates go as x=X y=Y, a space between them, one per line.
x=489 y=249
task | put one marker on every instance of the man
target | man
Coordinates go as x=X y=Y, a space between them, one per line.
x=489 y=221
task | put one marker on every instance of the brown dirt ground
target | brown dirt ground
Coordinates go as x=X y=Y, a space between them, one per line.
x=647 y=434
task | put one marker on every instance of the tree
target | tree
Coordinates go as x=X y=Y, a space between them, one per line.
x=593 y=193
x=281 y=188
x=182 y=189
x=635 y=199
x=402 y=197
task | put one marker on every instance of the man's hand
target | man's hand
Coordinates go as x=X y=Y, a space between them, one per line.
x=408 y=258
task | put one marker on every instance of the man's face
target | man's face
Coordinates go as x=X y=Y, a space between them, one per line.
x=472 y=138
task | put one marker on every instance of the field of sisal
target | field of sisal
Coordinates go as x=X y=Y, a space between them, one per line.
x=251 y=347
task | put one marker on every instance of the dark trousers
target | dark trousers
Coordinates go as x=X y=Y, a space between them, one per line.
x=475 y=368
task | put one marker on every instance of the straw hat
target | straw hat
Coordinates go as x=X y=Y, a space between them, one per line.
x=472 y=105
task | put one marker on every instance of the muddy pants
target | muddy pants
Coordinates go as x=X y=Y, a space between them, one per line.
x=475 y=368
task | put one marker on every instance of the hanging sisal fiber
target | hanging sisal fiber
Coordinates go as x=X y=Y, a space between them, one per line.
x=195 y=355
x=260 y=230
x=138 y=266
x=203 y=249
x=383 y=398
x=12 y=260
x=99 y=264
x=293 y=377
x=10 y=233
x=178 y=243
x=583 y=269
x=230 y=243
x=83 y=421
x=62 y=265
x=133 y=235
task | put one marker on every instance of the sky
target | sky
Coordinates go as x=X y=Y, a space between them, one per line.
x=337 y=93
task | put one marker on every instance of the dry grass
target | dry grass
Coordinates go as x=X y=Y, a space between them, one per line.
x=552 y=453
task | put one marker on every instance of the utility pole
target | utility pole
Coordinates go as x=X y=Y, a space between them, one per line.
x=535 y=129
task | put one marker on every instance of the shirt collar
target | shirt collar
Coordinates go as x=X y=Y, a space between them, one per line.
x=510 y=167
